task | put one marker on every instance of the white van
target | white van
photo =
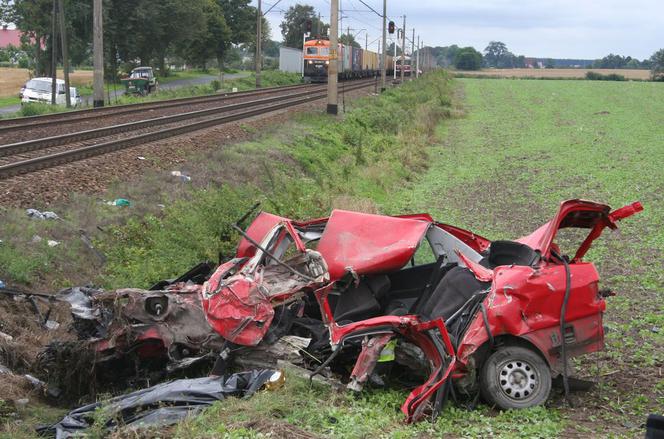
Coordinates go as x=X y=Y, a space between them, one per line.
x=39 y=90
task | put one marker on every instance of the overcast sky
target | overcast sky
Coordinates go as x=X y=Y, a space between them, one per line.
x=585 y=29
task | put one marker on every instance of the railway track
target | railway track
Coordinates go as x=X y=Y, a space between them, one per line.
x=30 y=156
x=70 y=117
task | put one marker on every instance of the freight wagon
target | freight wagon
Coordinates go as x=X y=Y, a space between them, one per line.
x=352 y=62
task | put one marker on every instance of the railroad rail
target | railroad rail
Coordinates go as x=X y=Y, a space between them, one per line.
x=239 y=111
x=15 y=124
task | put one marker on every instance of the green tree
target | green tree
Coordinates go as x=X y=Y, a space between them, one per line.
x=211 y=40
x=294 y=24
x=468 y=58
x=657 y=65
x=33 y=17
x=348 y=40
x=495 y=53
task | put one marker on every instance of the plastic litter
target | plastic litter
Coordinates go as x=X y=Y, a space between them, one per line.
x=52 y=325
x=36 y=239
x=53 y=243
x=140 y=157
x=119 y=202
x=47 y=215
x=2 y=285
x=161 y=405
x=181 y=175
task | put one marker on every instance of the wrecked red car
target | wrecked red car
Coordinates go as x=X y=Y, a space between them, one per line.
x=413 y=297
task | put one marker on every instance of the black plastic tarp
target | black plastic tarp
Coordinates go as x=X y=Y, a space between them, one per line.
x=160 y=405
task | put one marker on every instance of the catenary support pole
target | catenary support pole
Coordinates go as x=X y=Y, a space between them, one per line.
x=259 y=23
x=98 y=54
x=394 y=63
x=65 y=51
x=332 y=104
x=417 y=64
x=54 y=52
x=412 y=54
x=403 y=48
x=384 y=52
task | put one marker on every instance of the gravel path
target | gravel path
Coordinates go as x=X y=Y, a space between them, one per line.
x=94 y=175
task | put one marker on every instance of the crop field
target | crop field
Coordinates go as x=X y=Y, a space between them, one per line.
x=12 y=79
x=559 y=73
x=494 y=157
x=501 y=171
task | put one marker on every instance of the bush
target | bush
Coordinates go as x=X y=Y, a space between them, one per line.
x=215 y=84
x=594 y=76
x=38 y=109
x=468 y=59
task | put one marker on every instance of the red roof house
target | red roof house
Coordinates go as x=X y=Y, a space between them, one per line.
x=10 y=37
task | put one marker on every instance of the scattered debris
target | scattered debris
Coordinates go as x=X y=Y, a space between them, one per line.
x=52 y=243
x=119 y=202
x=6 y=337
x=2 y=284
x=34 y=213
x=140 y=157
x=181 y=175
x=161 y=405
x=36 y=239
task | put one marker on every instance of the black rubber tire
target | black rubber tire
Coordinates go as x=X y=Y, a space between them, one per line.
x=515 y=377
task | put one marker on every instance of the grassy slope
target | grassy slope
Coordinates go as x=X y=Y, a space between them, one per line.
x=525 y=146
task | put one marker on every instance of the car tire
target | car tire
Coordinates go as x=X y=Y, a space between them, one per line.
x=515 y=377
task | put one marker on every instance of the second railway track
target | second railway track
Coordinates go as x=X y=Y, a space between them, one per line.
x=25 y=157
x=78 y=116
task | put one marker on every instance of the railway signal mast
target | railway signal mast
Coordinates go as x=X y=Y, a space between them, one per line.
x=384 y=52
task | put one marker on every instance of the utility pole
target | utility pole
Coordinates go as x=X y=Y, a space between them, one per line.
x=65 y=51
x=332 y=103
x=384 y=53
x=417 y=66
x=98 y=54
x=412 y=53
x=403 y=48
x=54 y=53
x=259 y=23
x=395 y=59
x=366 y=48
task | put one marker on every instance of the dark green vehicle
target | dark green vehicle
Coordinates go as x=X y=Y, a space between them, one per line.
x=141 y=81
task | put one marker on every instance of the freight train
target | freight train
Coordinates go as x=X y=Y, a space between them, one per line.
x=352 y=62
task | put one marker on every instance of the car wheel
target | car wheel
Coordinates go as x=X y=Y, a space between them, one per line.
x=515 y=377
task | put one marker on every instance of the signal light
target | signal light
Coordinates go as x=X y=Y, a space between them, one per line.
x=308 y=25
x=390 y=27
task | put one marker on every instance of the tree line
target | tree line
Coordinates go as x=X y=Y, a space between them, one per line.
x=143 y=32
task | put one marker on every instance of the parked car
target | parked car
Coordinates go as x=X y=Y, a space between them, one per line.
x=38 y=90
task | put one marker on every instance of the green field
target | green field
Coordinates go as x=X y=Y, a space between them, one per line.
x=494 y=156
x=522 y=148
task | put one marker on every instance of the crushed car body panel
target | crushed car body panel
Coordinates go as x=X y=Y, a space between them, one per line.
x=367 y=244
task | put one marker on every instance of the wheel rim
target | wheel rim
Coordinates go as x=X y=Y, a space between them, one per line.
x=518 y=379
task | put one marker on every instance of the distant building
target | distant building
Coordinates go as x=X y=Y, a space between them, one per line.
x=9 y=37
